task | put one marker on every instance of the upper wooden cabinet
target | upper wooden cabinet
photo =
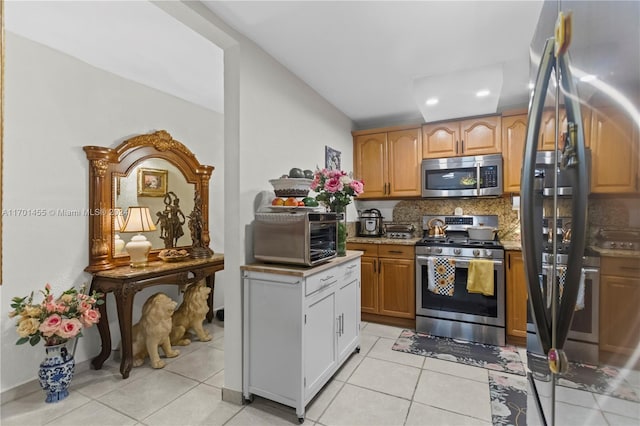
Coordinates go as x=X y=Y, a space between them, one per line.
x=514 y=134
x=547 y=138
x=463 y=137
x=388 y=162
x=614 y=152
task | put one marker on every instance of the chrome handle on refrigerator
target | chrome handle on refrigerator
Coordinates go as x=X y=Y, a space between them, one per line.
x=579 y=167
x=531 y=202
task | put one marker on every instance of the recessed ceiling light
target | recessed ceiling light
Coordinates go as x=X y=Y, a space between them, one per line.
x=531 y=86
x=483 y=93
x=588 y=77
x=432 y=101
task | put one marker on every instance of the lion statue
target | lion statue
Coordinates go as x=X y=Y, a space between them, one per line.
x=152 y=331
x=190 y=315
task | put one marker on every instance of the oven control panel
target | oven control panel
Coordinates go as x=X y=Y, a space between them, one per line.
x=479 y=253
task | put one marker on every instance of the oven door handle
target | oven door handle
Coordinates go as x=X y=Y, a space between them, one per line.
x=464 y=263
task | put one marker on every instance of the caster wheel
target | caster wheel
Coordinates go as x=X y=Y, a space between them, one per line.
x=248 y=400
x=358 y=350
x=300 y=420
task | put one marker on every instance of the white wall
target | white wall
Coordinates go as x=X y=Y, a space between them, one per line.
x=54 y=105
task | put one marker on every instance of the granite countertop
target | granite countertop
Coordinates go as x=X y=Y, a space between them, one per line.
x=384 y=240
x=616 y=253
x=517 y=245
x=298 y=270
x=511 y=244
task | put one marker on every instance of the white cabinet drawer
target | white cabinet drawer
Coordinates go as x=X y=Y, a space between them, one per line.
x=351 y=270
x=322 y=280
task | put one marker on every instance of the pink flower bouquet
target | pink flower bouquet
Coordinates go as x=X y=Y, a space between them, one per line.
x=55 y=320
x=335 y=188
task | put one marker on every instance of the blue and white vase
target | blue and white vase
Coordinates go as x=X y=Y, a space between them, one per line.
x=56 y=372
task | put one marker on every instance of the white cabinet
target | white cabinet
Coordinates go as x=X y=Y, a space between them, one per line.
x=300 y=325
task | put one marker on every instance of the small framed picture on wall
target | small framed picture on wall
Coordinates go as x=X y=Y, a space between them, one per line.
x=331 y=158
x=152 y=182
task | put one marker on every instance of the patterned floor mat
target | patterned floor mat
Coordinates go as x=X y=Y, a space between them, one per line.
x=508 y=399
x=498 y=358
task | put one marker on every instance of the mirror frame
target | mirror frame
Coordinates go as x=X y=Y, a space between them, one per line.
x=105 y=164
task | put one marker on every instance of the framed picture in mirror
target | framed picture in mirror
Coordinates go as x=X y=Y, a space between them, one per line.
x=152 y=182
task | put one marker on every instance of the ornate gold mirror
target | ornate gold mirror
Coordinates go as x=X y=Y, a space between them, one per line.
x=154 y=171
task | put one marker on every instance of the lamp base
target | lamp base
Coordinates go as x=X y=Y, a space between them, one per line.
x=118 y=244
x=138 y=249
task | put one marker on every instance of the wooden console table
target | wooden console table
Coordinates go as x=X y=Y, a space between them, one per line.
x=124 y=282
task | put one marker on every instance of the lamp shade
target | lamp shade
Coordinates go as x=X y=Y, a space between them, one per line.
x=138 y=220
x=118 y=219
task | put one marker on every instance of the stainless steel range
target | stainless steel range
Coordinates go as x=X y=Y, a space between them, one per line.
x=446 y=302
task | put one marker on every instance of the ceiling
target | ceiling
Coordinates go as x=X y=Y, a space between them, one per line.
x=376 y=61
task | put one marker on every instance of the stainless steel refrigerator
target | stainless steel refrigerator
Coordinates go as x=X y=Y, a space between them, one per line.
x=597 y=64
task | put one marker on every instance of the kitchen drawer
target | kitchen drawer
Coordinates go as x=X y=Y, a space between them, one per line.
x=370 y=250
x=350 y=271
x=324 y=279
x=624 y=267
x=396 y=251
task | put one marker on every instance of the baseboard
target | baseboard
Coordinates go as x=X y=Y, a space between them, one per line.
x=32 y=386
x=386 y=320
x=232 y=396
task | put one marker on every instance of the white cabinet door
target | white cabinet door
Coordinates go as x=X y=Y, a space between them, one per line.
x=320 y=330
x=348 y=311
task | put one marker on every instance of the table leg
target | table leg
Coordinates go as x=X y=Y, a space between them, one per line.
x=124 y=304
x=211 y=283
x=105 y=334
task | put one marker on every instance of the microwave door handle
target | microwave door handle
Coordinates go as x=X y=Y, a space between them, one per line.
x=478 y=179
x=531 y=202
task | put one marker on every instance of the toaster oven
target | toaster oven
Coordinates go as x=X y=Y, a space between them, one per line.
x=295 y=237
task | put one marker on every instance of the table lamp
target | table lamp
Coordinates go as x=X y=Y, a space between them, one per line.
x=138 y=220
x=118 y=224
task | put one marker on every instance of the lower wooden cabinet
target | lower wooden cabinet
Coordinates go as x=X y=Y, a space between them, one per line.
x=388 y=282
x=516 y=284
x=619 y=303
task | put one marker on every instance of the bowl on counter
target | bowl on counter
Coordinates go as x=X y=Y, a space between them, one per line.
x=483 y=233
x=291 y=187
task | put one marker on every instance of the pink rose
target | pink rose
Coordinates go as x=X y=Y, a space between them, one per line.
x=84 y=306
x=69 y=328
x=357 y=187
x=90 y=317
x=333 y=185
x=50 y=325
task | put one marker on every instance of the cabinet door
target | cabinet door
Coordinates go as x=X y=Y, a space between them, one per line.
x=348 y=310
x=369 y=284
x=320 y=328
x=619 y=317
x=397 y=288
x=440 y=140
x=405 y=158
x=613 y=152
x=547 y=138
x=481 y=136
x=514 y=134
x=370 y=153
x=516 y=295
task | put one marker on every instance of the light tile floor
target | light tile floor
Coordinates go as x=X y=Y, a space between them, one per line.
x=378 y=386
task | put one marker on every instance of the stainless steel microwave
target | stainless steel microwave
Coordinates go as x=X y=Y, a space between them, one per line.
x=473 y=176
x=297 y=237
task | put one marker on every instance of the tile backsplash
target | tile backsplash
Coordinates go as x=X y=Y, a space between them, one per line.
x=621 y=212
